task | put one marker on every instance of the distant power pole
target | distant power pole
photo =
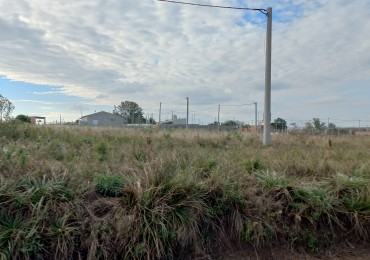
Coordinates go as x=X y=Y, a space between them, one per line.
x=187 y=112
x=218 y=118
x=267 y=108
x=160 y=110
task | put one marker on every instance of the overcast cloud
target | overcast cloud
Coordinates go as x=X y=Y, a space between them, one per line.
x=105 y=52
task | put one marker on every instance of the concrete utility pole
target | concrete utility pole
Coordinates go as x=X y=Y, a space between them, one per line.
x=187 y=112
x=267 y=107
x=218 y=118
x=160 y=110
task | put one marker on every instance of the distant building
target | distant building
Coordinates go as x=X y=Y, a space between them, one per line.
x=102 y=119
x=38 y=120
x=175 y=121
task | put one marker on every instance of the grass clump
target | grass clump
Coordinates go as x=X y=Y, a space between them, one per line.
x=109 y=185
x=271 y=180
x=102 y=149
x=253 y=165
x=18 y=237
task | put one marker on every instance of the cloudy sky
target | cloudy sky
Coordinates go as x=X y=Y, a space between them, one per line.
x=72 y=58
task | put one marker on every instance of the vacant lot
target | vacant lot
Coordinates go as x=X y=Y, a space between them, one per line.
x=69 y=192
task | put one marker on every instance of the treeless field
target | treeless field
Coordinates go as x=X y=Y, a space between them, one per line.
x=96 y=193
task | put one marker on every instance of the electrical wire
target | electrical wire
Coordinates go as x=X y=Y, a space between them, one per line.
x=264 y=11
x=240 y=105
x=174 y=101
x=205 y=109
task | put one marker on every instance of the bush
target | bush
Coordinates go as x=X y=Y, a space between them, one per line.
x=23 y=118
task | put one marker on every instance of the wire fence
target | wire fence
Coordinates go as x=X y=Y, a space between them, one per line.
x=243 y=114
x=202 y=114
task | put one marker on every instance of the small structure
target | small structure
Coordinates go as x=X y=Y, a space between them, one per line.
x=102 y=119
x=37 y=119
x=175 y=121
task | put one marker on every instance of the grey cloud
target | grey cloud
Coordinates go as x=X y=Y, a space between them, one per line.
x=326 y=100
x=145 y=50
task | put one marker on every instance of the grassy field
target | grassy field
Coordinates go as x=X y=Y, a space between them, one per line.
x=94 y=193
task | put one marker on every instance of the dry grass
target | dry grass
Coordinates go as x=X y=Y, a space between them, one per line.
x=70 y=192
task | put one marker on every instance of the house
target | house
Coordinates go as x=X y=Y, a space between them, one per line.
x=102 y=119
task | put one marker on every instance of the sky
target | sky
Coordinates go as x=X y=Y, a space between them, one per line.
x=67 y=59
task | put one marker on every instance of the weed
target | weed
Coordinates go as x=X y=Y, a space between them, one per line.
x=22 y=158
x=35 y=189
x=61 y=235
x=271 y=179
x=102 y=150
x=357 y=204
x=109 y=185
x=312 y=242
x=212 y=164
x=252 y=165
x=140 y=156
x=18 y=238
x=56 y=151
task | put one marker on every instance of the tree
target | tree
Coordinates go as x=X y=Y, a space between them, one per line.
x=152 y=121
x=6 y=108
x=279 y=123
x=308 y=126
x=130 y=111
x=230 y=123
x=332 y=126
x=23 y=118
x=317 y=124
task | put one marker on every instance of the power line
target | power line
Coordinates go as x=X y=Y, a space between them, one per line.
x=264 y=11
x=205 y=109
x=240 y=105
x=173 y=101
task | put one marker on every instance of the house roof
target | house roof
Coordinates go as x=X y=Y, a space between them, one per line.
x=102 y=112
